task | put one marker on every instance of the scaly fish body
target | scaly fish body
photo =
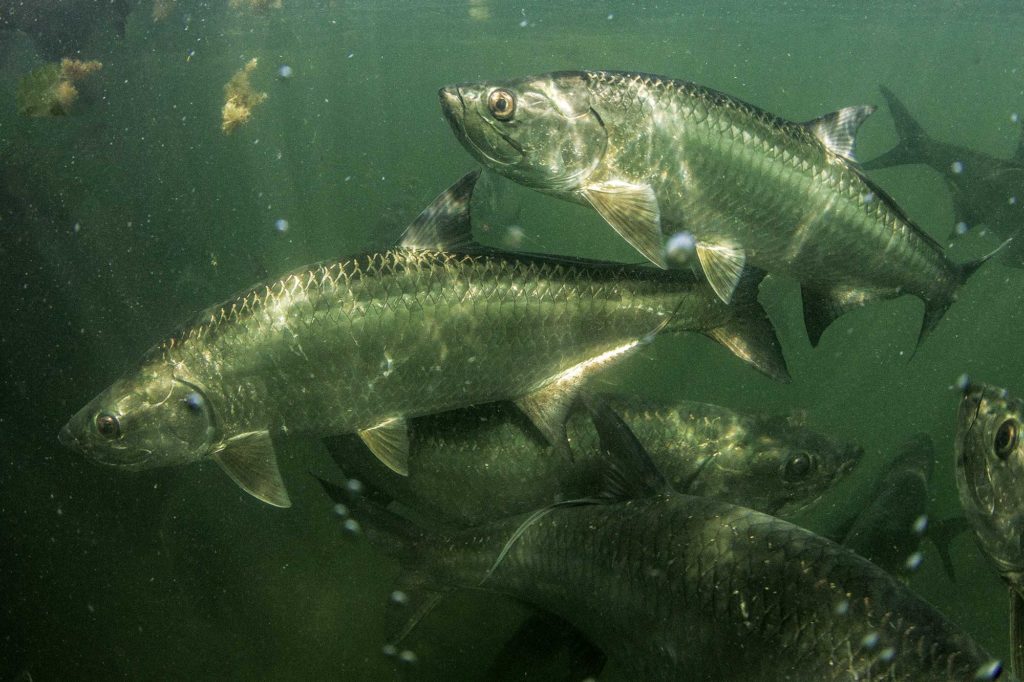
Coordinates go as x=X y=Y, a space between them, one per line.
x=364 y=343
x=655 y=155
x=675 y=586
x=492 y=456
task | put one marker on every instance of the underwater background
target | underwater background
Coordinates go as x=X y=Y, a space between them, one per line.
x=120 y=220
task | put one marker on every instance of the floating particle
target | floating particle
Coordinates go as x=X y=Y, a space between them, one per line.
x=869 y=197
x=352 y=527
x=284 y=72
x=963 y=382
x=354 y=487
x=341 y=510
x=887 y=654
x=1014 y=118
x=408 y=657
x=389 y=650
x=870 y=640
x=610 y=16
x=957 y=167
x=399 y=597
x=524 y=23
x=913 y=561
x=920 y=524
x=1012 y=200
x=514 y=236
x=281 y=225
x=961 y=228
x=842 y=608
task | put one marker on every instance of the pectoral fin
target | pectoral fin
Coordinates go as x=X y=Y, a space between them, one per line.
x=548 y=406
x=723 y=267
x=633 y=211
x=389 y=442
x=250 y=461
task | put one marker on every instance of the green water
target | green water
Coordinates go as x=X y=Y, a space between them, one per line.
x=119 y=221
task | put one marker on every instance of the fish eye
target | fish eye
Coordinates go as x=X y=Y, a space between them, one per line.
x=502 y=104
x=1006 y=438
x=107 y=425
x=797 y=468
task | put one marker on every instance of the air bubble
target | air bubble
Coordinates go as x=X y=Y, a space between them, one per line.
x=408 y=657
x=962 y=228
x=341 y=510
x=957 y=167
x=887 y=654
x=352 y=527
x=399 y=598
x=990 y=670
x=1015 y=117
x=681 y=247
x=920 y=524
x=913 y=561
x=870 y=640
x=354 y=487
x=281 y=225
x=842 y=608
x=963 y=383
x=389 y=650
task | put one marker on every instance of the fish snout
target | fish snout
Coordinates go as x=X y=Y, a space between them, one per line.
x=451 y=103
x=67 y=438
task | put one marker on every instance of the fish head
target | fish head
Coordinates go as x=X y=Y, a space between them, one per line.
x=794 y=465
x=146 y=419
x=990 y=473
x=539 y=131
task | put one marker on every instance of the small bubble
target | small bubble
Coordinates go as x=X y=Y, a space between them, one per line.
x=869 y=197
x=281 y=225
x=341 y=510
x=354 y=487
x=77 y=228
x=284 y=72
x=399 y=597
x=681 y=247
x=1013 y=201
x=870 y=640
x=993 y=668
x=514 y=236
x=1014 y=118
x=963 y=382
x=408 y=657
x=389 y=650
x=887 y=654
x=524 y=23
x=610 y=16
x=352 y=527
x=920 y=524
x=957 y=167
x=842 y=608
x=351 y=54
x=961 y=228
x=913 y=561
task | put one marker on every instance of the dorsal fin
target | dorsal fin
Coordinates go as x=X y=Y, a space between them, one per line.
x=836 y=131
x=630 y=473
x=444 y=225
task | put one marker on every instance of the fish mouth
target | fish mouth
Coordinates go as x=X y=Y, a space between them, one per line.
x=453 y=107
x=974 y=466
x=68 y=439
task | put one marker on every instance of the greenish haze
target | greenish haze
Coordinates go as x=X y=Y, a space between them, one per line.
x=119 y=221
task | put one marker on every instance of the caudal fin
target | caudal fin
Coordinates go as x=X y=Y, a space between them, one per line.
x=749 y=333
x=908 y=149
x=935 y=309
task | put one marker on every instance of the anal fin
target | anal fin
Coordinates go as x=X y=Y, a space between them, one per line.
x=389 y=442
x=822 y=307
x=632 y=210
x=723 y=267
x=249 y=460
x=548 y=406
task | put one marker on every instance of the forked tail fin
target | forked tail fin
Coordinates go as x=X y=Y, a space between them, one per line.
x=908 y=149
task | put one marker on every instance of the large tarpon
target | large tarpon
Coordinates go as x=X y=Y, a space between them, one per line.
x=990 y=480
x=362 y=344
x=681 y=587
x=986 y=190
x=487 y=462
x=658 y=156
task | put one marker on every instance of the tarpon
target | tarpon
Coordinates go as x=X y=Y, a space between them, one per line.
x=487 y=462
x=986 y=190
x=362 y=344
x=681 y=587
x=656 y=156
x=990 y=480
